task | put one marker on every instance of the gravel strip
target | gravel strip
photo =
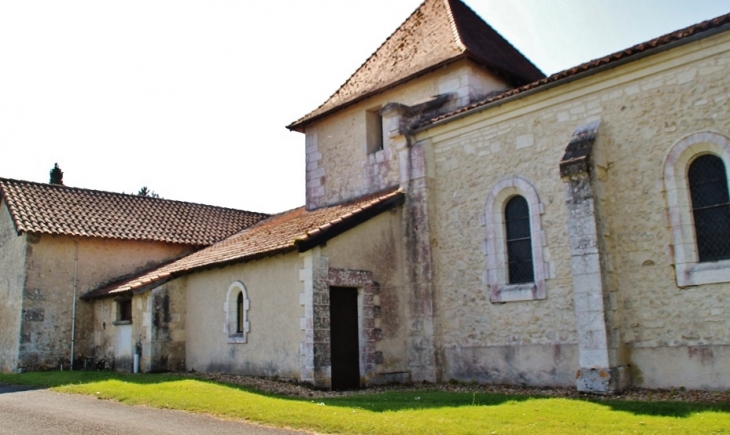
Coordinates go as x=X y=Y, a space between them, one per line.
x=295 y=389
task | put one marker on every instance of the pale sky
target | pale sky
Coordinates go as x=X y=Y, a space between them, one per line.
x=191 y=97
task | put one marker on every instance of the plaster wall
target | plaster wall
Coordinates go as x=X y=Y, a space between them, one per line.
x=12 y=278
x=377 y=246
x=339 y=166
x=644 y=107
x=272 y=346
x=52 y=262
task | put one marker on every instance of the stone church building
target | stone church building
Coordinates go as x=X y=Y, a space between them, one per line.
x=467 y=218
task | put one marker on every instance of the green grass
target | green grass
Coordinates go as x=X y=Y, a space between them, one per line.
x=420 y=412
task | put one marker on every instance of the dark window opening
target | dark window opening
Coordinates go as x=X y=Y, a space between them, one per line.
x=125 y=310
x=710 y=207
x=519 y=241
x=374 y=130
x=239 y=313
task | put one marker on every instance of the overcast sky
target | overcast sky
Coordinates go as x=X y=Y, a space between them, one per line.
x=191 y=98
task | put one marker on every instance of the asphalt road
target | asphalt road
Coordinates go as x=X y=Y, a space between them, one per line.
x=25 y=411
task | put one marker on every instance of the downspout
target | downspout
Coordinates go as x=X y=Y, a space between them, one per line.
x=73 y=304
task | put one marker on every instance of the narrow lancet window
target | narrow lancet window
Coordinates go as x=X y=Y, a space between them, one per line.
x=519 y=242
x=239 y=312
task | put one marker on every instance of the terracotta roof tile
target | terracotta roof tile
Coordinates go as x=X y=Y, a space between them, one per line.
x=296 y=229
x=611 y=59
x=54 y=209
x=438 y=32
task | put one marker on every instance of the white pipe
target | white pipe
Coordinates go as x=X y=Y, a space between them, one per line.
x=136 y=363
x=73 y=305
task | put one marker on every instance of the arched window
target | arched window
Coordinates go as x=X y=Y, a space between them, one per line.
x=515 y=243
x=239 y=313
x=519 y=242
x=710 y=207
x=236 y=309
x=695 y=182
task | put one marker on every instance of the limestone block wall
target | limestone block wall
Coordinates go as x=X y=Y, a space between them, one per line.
x=338 y=165
x=667 y=336
x=529 y=341
x=12 y=278
x=674 y=337
x=54 y=264
x=272 y=345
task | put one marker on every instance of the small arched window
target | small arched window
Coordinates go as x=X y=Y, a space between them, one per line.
x=239 y=313
x=519 y=241
x=236 y=308
x=710 y=207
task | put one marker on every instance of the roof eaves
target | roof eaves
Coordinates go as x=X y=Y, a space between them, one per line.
x=299 y=125
x=351 y=220
x=581 y=71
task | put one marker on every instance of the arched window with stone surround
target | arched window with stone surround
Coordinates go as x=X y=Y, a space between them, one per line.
x=515 y=242
x=695 y=183
x=236 y=308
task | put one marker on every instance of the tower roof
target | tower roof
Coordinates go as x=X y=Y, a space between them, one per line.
x=437 y=33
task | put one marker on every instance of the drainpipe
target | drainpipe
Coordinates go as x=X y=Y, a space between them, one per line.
x=73 y=305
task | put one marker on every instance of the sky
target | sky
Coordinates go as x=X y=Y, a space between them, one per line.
x=191 y=97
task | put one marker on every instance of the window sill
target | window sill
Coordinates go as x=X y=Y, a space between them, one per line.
x=692 y=274
x=122 y=322
x=502 y=293
x=237 y=338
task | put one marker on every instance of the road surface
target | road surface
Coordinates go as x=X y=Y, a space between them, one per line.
x=25 y=411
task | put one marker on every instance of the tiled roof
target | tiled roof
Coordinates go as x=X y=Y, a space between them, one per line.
x=297 y=229
x=631 y=53
x=438 y=32
x=54 y=209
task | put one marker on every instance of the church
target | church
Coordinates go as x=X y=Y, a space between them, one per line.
x=467 y=218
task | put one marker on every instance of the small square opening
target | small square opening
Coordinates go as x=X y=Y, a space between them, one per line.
x=124 y=312
x=374 y=130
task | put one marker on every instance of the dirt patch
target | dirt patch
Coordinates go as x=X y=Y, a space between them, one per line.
x=295 y=389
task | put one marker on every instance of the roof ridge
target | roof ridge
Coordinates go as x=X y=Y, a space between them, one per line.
x=122 y=194
x=454 y=27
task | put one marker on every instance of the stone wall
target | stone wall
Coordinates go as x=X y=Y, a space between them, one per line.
x=54 y=264
x=644 y=107
x=12 y=278
x=338 y=164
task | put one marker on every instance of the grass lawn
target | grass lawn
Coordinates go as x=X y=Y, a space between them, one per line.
x=397 y=412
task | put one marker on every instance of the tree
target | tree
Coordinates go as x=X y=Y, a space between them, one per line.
x=56 y=175
x=144 y=191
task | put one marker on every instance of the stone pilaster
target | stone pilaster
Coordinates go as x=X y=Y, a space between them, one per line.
x=599 y=369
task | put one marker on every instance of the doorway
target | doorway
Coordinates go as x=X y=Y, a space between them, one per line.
x=344 y=338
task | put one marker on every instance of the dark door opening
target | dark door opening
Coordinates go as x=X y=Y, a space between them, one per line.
x=344 y=346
